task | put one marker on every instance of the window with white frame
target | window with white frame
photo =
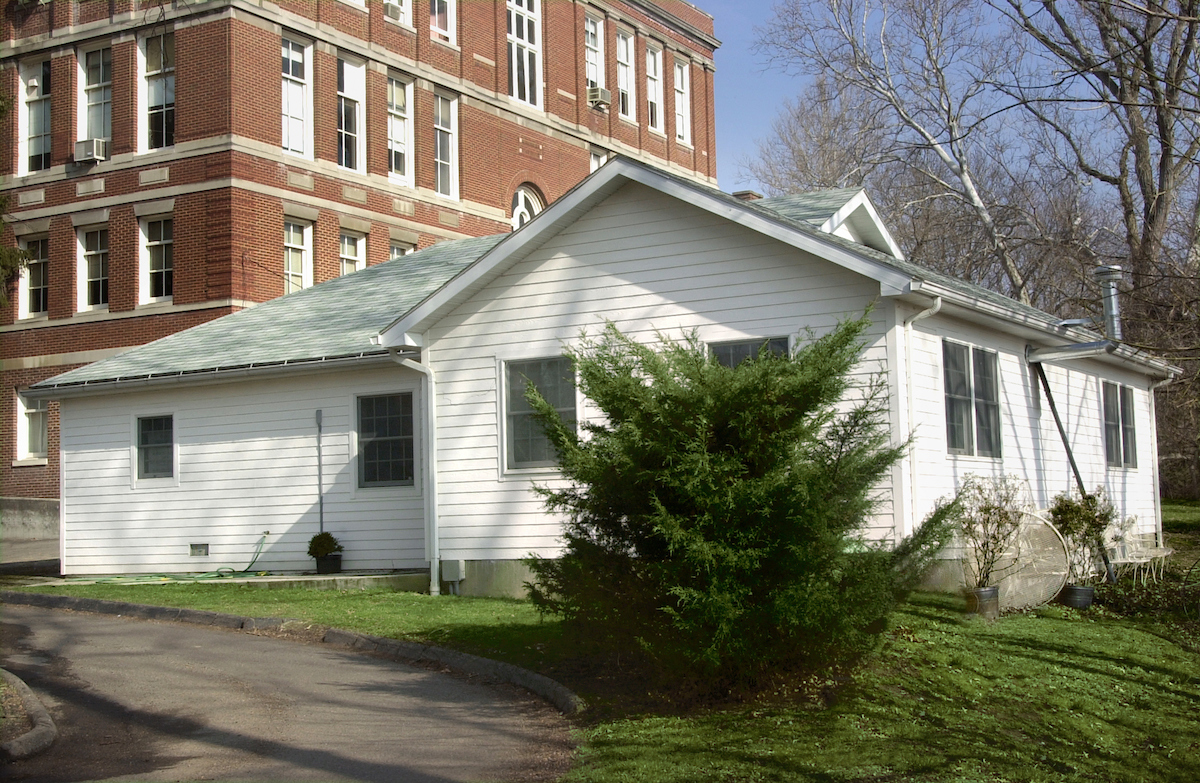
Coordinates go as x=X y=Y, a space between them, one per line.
x=683 y=102
x=525 y=204
x=96 y=80
x=526 y=443
x=626 y=97
x=441 y=20
x=35 y=116
x=32 y=428
x=297 y=98
x=597 y=158
x=972 y=379
x=352 y=88
x=159 y=52
x=1120 y=442
x=731 y=354
x=654 y=89
x=524 y=51
x=33 y=288
x=386 y=441
x=398 y=250
x=158 y=260
x=397 y=10
x=352 y=252
x=155 y=447
x=297 y=256
x=93 y=268
x=593 y=51
x=399 y=130
x=445 y=145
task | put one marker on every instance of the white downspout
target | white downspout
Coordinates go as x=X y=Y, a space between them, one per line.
x=431 y=499
x=908 y=376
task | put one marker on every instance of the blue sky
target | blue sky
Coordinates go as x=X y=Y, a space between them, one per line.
x=747 y=94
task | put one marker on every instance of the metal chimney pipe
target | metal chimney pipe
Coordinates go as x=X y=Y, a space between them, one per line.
x=1108 y=277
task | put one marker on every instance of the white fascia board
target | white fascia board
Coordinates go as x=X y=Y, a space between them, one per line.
x=1044 y=329
x=869 y=225
x=605 y=181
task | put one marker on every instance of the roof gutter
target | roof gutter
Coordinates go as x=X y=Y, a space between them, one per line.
x=431 y=498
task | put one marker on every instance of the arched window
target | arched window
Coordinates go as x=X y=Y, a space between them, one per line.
x=525 y=204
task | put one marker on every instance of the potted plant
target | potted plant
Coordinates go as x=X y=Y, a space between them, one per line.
x=1082 y=520
x=327 y=551
x=988 y=525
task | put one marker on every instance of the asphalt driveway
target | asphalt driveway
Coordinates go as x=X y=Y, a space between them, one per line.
x=151 y=701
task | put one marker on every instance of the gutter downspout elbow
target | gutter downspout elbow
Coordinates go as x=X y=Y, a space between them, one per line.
x=431 y=498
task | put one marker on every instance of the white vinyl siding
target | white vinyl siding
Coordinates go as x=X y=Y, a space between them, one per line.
x=645 y=261
x=247 y=463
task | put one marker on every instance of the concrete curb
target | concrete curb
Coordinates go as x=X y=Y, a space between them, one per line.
x=43 y=733
x=395 y=649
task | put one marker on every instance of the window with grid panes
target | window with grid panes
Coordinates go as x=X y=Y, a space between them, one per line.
x=593 y=51
x=295 y=97
x=37 y=115
x=626 y=98
x=36 y=293
x=155 y=448
x=97 y=90
x=524 y=50
x=297 y=269
x=386 y=448
x=527 y=445
x=351 y=252
x=160 y=258
x=160 y=90
x=444 y=146
x=95 y=266
x=398 y=128
x=654 y=91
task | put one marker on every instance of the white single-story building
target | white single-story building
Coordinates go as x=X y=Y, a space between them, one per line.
x=381 y=405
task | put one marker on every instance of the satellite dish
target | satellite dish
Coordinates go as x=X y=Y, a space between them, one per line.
x=1036 y=566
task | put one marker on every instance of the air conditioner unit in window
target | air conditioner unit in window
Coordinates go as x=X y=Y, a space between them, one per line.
x=598 y=96
x=91 y=150
x=392 y=10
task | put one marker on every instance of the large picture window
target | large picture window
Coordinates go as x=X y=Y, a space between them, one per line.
x=527 y=444
x=972 y=400
x=1120 y=443
x=155 y=447
x=386 y=449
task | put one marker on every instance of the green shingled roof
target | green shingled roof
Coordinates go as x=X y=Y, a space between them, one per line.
x=811 y=208
x=333 y=320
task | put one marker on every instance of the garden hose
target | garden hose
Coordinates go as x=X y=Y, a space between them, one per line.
x=220 y=573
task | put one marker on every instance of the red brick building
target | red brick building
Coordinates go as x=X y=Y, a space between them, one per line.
x=167 y=163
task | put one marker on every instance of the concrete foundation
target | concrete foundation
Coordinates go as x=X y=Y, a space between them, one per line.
x=493 y=579
x=28 y=518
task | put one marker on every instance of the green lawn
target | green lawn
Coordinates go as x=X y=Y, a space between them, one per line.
x=1047 y=696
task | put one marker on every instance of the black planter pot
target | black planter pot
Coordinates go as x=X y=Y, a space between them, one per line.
x=330 y=564
x=1077 y=597
x=984 y=601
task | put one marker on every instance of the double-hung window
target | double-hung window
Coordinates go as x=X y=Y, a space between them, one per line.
x=297 y=256
x=972 y=382
x=654 y=89
x=97 y=94
x=93 y=268
x=351 y=85
x=155 y=447
x=593 y=51
x=386 y=443
x=398 y=250
x=33 y=292
x=524 y=50
x=527 y=445
x=160 y=90
x=32 y=415
x=732 y=354
x=399 y=129
x=297 y=99
x=158 y=259
x=351 y=252
x=35 y=78
x=626 y=97
x=1120 y=443
x=441 y=20
x=683 y=105
x=445 y=145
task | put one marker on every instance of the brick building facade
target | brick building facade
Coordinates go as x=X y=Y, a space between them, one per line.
x=165 y=165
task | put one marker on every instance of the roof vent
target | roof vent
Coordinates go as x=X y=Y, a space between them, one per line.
x=1108 y=277
x=747 y=195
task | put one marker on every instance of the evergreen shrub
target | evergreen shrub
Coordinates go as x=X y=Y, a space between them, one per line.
x=716 y=516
